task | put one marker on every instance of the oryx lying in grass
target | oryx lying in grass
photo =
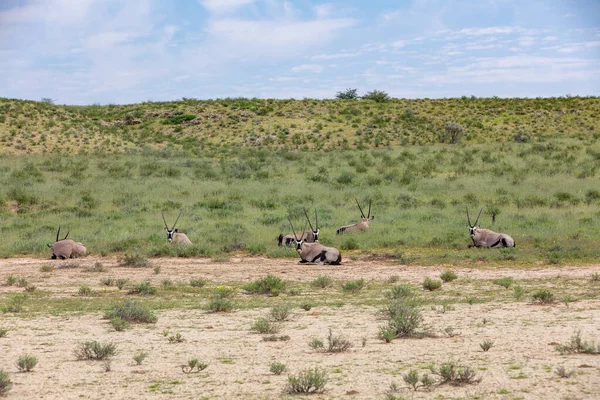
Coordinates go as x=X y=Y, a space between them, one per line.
x=485 y=237
x=66 y=248
x=361 y=226
x=308 y=236
x=173 y=235
x=315 y=252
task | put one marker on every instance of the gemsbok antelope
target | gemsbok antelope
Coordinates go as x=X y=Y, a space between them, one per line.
x=308 y=236
x=315 y=252
x=66 y=248
x=361 y=226
x=173 y=235
x=485 y=237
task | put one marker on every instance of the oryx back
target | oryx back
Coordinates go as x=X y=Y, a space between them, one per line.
x=66 y=248
x=361 y=226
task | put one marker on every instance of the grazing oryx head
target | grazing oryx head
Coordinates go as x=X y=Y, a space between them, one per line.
x=361 y=226
x=485 y=237
x=173 y=235
x=315 y=230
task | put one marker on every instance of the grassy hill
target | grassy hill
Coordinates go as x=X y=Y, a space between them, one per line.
x=106 y=173
x=198 y=127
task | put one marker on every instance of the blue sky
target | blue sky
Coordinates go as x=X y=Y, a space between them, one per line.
x=114 y=51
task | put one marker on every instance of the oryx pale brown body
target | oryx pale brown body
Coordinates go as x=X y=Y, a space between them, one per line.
x=485 y=237
x=361 y=226
x=66 y=248
x=173 y=235
x=317 y=253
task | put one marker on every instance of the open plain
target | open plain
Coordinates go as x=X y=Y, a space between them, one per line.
x=523 y=362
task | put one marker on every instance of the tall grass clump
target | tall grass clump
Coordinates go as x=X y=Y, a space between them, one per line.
x=5 y=382
x=133 y=312
x=310 y=380
x=271 y=285
x=93 y=350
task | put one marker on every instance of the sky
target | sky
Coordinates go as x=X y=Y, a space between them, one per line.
x=129 y=51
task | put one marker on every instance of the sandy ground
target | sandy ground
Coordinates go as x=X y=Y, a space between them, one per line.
x=520 y=365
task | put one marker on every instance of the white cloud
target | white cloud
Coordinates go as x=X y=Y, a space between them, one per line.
x=315 y=68
x=224 y=6
x=274 y=37
x=399 y=43
x=335 y=56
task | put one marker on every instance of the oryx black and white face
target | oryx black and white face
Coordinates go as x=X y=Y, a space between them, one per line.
x=298 y=240
x=170 y=231
x=316 y=229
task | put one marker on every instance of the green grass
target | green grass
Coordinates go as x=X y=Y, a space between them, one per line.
x=237 y=199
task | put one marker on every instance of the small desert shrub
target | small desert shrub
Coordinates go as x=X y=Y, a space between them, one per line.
x=157 y=270
x=311 y=380
x=277 y=368
x=198 y=282
x=543 y=296
x=107 y=364
x=505 y=282
x=404 y=320
x=26 y=363
x=85 y=291
x=271 y=285
x=69 y=265
x=595 y=277
x=168 y=284
x=401 y=292
x=193 y=365
x=177 y=338
x=563 y=373
x=131 y=311
x=139 y=357
x=456 y=375
x=94 y=350
x=518 y=292
x=30 y=288
x=578 y=345
x=134 y=261
x=120 y=283
x=263 y=325
x=15 y=303
x=119 y=324
x=110 y=281
x=22 y=282
x=5 y=382
x=223 y=292
x=486 y=345
x=453 y=133
x=97 y=267
x=219 y=304
x=448 y=276
x=306 y=306
x=11 y=280
x=280 y=312
x=353 y=286
x=335 y=344
x=414 y=381
x=276 y=338
x=3 y=332
x=431 y=284
x=143 y=288
x=322 y=282
x=47 y=268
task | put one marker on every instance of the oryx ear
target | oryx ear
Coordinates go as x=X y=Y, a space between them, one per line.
x=176 y=230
